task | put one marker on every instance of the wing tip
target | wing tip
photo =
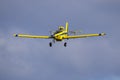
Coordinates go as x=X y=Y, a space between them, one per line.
x=102 y=34
x=15 y=35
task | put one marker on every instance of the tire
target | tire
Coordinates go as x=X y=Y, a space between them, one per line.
x=65 y=44
x=50 y=44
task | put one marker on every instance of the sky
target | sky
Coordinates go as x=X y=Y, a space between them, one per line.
x=96 y=58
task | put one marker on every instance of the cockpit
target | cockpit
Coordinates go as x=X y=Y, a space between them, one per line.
x=61 y=28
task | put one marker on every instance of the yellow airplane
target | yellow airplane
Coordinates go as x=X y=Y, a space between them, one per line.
x=60 y=35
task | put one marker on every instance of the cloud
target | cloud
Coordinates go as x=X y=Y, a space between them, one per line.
x=87 y=59
x=91 y=58
x=11 y=59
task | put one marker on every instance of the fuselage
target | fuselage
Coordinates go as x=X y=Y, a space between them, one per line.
x=59 y=35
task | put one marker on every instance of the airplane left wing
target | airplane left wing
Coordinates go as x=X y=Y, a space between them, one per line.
x=84 y=35
x=31 y=36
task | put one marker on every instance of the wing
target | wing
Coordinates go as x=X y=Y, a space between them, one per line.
x=31 y=36
x=85 y=35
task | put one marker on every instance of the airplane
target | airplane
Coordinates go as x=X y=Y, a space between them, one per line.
x=59 y=35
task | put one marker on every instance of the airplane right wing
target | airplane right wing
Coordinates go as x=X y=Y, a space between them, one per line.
x=31 y=36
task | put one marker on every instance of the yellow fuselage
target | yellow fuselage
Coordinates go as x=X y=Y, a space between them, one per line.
x=60 y=35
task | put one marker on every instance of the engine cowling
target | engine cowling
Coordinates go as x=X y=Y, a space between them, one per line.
x=59 y=38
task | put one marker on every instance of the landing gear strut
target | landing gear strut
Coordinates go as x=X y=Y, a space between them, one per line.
x=65 y=44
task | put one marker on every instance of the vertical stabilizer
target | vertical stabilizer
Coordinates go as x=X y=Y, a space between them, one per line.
x=67 y=26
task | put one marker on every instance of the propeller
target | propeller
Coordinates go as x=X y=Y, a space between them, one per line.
x=76 y=32
x=52 y=32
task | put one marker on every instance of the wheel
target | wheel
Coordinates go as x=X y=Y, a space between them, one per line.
x=65 y=44
x=50 y=44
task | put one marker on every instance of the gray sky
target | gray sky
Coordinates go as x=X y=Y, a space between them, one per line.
x=95 y=58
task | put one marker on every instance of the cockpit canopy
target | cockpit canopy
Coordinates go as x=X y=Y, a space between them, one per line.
x=61 y=28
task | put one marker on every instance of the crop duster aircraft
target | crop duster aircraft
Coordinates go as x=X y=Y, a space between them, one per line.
x=59 y=35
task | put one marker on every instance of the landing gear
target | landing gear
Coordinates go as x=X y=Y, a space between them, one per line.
x=50 y=44
x=65 y=44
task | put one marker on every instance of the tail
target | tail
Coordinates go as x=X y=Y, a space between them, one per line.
x=67 y=27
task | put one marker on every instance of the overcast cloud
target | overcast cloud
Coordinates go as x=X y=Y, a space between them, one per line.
x=95 y=58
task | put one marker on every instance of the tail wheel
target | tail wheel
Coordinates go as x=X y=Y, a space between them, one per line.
x=65 y=44
x=50 y=44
